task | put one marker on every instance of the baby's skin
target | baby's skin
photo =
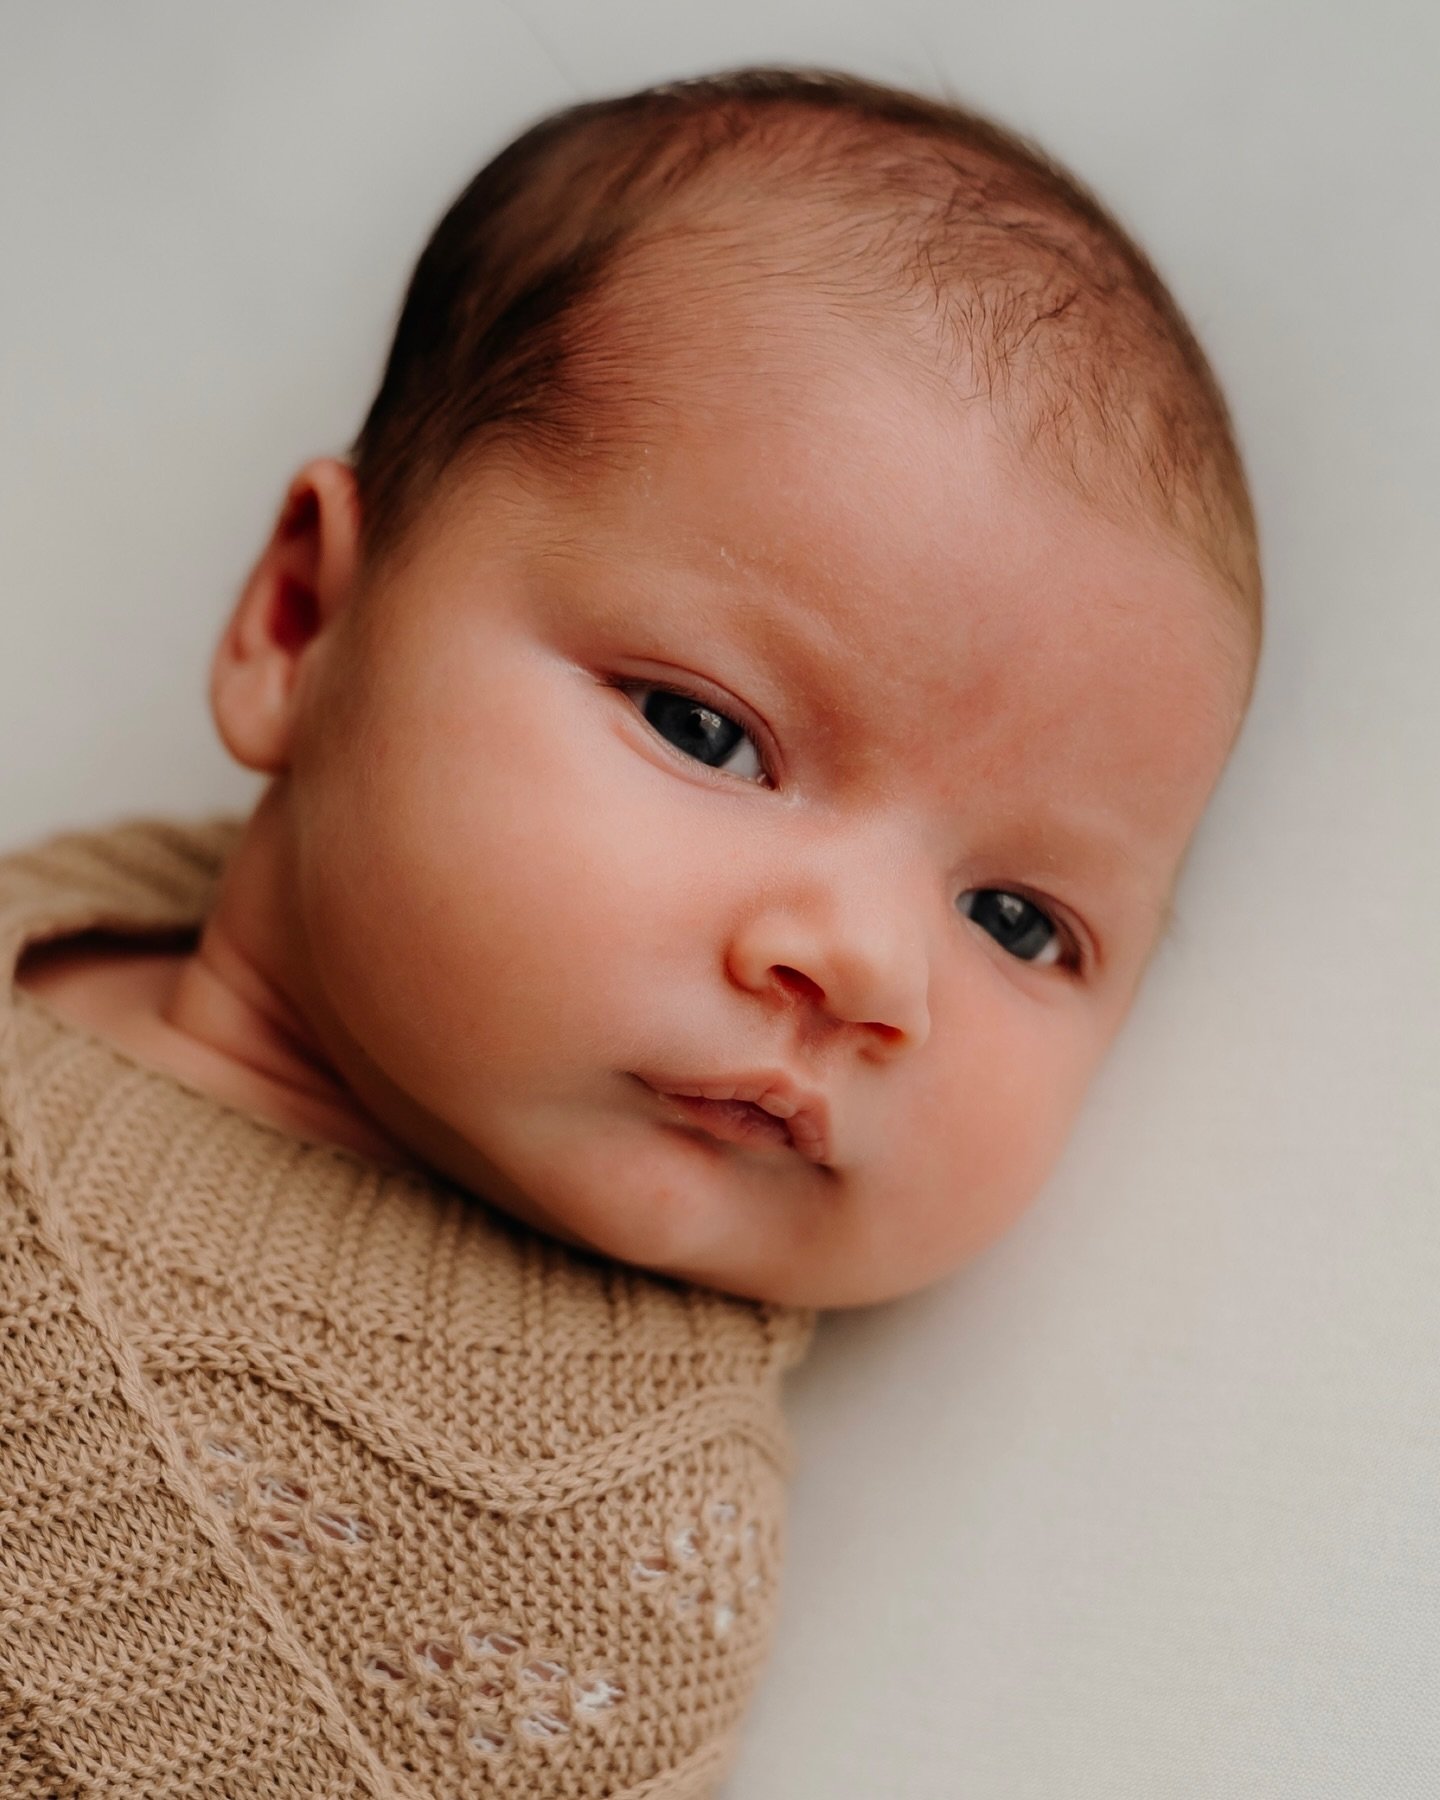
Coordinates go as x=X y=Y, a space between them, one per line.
x=821 y=745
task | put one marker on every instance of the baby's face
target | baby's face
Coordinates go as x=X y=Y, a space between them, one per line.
x=822 y=741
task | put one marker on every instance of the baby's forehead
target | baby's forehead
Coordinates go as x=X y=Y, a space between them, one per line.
x=887 y=581
x=686 y=322
x=1072 y=370
x=716 y=370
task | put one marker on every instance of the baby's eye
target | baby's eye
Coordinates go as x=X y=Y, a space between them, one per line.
x=1015 y=923
x=695 y=727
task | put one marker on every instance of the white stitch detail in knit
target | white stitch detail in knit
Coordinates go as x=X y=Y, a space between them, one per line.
x=225 y=1449
x=543 y=1672
x=283 y=1511
x=597 y=1693
x=546 y=1725
x=290 y=1542
x=274 y=1487
x=511 y=1692
x=487 y=1736
x=345 y=1529
x=710 y=1567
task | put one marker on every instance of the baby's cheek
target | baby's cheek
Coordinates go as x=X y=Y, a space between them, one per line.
x=628 y=1192
x=976 y=1144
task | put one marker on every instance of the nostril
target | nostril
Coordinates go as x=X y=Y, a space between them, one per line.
x=793 y=981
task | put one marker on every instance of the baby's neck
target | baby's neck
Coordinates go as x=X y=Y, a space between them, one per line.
x=207 y=1017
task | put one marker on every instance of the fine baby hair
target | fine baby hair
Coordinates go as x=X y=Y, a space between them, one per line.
x=918 y=213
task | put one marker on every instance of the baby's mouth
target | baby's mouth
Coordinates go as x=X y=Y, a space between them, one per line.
x=732 y=1121
x=758 y=1108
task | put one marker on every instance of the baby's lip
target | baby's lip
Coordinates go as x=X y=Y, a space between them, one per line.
x=806 y=1113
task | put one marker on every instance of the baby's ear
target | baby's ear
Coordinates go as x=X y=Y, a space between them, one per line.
x=298 y=588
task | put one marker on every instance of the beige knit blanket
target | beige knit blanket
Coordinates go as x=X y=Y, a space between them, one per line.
x=318 y=1478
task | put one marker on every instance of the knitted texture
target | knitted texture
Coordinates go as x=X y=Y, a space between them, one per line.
x=320 y=1478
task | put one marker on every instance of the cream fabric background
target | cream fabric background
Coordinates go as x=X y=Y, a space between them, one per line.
x=1143 y=1505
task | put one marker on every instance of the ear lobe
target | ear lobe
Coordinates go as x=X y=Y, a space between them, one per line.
x=298 y=588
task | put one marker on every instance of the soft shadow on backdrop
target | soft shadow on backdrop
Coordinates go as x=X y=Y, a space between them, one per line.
x=1143 y=1504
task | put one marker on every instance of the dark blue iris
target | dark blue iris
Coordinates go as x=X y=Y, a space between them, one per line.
x=698 y=730
x=1015 y=923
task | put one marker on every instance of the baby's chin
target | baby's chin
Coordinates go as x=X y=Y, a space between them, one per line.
x=627 y=1191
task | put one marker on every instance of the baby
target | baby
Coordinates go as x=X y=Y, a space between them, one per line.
x=732 y=729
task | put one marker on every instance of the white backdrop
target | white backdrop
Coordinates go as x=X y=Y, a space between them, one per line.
x=1144 y=1503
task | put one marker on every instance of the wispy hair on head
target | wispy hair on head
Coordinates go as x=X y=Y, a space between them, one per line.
x=918 y=213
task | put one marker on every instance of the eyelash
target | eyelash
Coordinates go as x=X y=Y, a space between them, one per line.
x=1070 y=957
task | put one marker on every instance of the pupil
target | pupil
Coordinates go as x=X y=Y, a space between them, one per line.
x=698 y=730
x=1019 y=927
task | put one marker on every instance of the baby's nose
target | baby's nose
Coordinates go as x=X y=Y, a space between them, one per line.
x=856 y=952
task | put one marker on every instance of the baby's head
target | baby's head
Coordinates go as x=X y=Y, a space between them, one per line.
x=787 y=609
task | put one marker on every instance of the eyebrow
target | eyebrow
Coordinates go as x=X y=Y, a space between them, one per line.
x=1097 y=850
